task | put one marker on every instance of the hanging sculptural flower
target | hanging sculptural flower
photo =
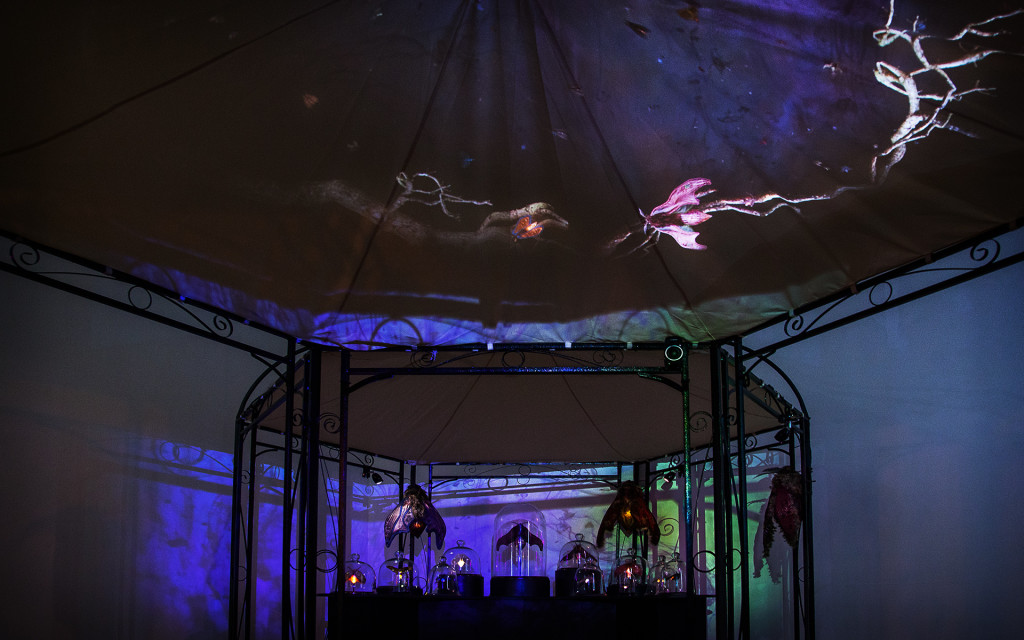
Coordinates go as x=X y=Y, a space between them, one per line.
x=784 y=510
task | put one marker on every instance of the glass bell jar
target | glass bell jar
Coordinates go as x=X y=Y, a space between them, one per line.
x=578 y=554
x=589 y=579
x=465 y=562
x=517 y=552
x=630 y=575
x=359 y=576
x=668 y=576
x=441 y=580
x=396 y=575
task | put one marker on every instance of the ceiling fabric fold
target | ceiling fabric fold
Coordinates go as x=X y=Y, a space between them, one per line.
x=378 y=173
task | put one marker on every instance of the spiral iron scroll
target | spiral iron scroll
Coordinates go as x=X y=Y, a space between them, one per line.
x=29 y=258
x=881 y=293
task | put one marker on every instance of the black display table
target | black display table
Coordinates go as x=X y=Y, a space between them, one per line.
x=415 y=617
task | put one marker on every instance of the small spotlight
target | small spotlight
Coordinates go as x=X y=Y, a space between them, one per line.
x=786 y=432
x=670 y=477
x=366 y=471
x=376 y=478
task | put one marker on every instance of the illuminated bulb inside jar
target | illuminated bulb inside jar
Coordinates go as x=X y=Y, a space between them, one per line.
x=461 y=563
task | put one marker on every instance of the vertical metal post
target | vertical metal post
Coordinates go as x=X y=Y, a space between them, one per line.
x=741 y=464
x=287 y=503
x=401 y=492
x=645 y=538
x=618 y=541
x=250 y=533
x=795 y=592
x=429 y=548
x=687 y=472
x=722 y=476
x=412 y=541
x=633 y=541
x=309 y=549
x=236 y=528
x=300 y=513
x=808 y=532
x=341 y=544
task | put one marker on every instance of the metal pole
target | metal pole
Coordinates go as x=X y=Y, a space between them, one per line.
x=401 y=493
x=618 y=542
x=645 y=538
x=341 y=544
x=795 y=591
x=808 y=537
x=722 y=476
x=300 y=514
x=236 y=527
x=412 y=541
x=286 y=497
x=687 y=472
x=312 y=499
x=743 y=515
x=250 y=533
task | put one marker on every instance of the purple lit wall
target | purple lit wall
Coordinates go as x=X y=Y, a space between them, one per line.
x=117 y=486
x=918 y=441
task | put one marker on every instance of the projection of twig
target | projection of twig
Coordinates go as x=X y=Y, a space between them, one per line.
x=436 y=197
x=508 y=226
x=926 y=112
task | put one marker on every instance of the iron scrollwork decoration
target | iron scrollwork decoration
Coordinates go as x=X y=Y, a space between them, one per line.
x=882 y=292
x=330 y=422
x=700 y=421
x=119 y=289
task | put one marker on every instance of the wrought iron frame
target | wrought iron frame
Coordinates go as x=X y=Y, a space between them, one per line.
x=1000 y=247
x=284 y=356
x=729 y=456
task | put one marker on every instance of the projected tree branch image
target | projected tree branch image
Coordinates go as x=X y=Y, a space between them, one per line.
x=926 y=113
x=497 y=227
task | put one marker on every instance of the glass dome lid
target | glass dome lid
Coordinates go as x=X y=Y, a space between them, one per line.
x=359 y=576
x=577 y=553
x=396 y=574
x=463 y=559
x=518 y=542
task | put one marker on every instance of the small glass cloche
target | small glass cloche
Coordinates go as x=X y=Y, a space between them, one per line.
x=462 y=558
x=589 y=579
x=668 y=576
x=359 y=576
x=395 y=575
x=576 y=555
x=441 y=581
x=577 y=552
x=469 y=579
x=629 y=576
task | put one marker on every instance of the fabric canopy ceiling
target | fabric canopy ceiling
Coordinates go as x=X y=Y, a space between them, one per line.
x=448 y=172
